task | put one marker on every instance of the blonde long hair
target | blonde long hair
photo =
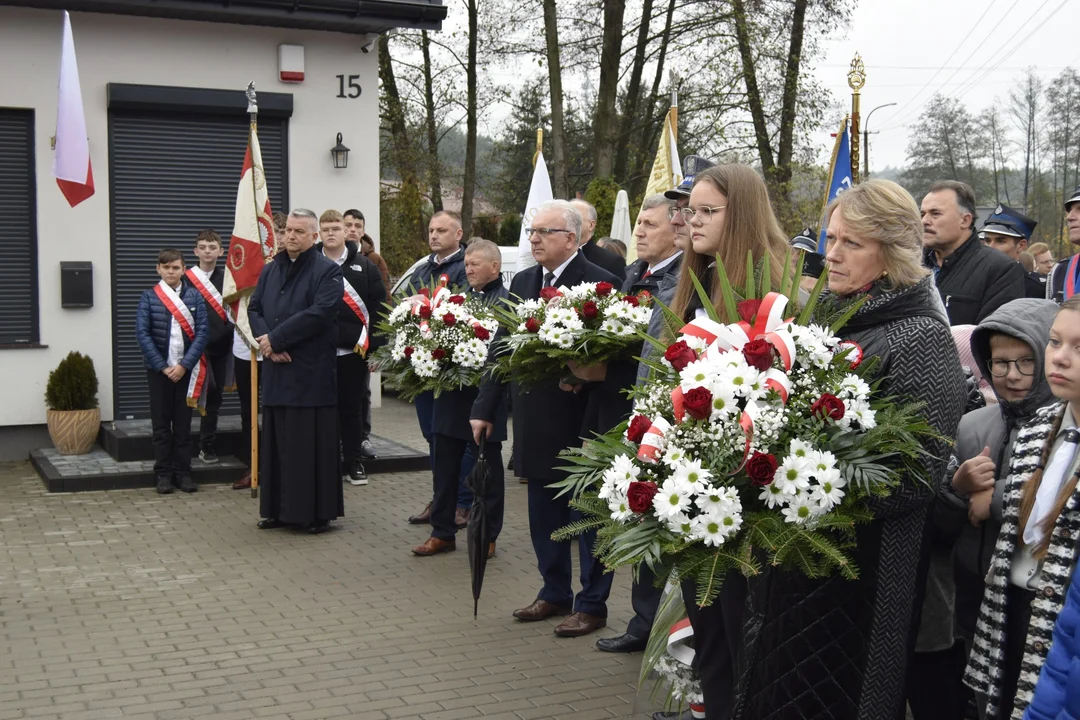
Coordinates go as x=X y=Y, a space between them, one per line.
x=1031 y=487
x=749 y=226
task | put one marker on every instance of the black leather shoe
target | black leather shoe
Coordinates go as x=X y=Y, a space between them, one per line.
x=625 y=643
x=318 y=528
x=164 y=485
x=269 y=524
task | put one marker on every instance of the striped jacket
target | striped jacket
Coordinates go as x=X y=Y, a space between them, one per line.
x=987 y=660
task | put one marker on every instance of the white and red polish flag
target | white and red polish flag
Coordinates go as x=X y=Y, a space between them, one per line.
x=252 y=237
x=71 y=163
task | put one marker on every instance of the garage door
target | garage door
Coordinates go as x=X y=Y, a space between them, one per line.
x=171 y=176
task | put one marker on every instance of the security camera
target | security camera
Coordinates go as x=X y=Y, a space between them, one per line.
x=368 y=43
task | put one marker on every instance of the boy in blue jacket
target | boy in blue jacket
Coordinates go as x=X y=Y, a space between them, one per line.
x=172 y=331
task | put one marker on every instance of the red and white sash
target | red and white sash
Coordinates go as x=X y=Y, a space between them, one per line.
x=356 y=304
x=183 y=317
x=206 y=288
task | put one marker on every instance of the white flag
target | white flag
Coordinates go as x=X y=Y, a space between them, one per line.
x=71 y=163
x=539 y=193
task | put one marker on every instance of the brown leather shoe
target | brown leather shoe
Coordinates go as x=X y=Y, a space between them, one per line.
x=423 y=518
x=491 y=551
x=461 y=518
x=540 y=610
x=434 y=546
x=580 y=624
x=243 y=483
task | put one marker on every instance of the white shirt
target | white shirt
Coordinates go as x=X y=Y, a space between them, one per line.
x=557 y=272
x=664 y=263
x=340 y=261
x=176 y=340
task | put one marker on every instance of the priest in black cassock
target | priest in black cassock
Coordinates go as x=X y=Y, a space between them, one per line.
x=293 y=315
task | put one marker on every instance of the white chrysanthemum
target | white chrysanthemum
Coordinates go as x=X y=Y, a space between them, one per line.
x=619 y=311
x=612 y=327
x=827 y=494
x=674 y=456
x=703 y=372
x=853 y=387
x=792 y=475
x=620 y=508
x=555 y=335
x=399 y=313
x=772 y=496
x=718 y=500
x=674 y=498
x=743 y=380
x=608 y=488
x=528 y=308
x=581 y=291
x=694 y=342
x=860 y=411
x=800 y=511
x=802 y=449
x=560 y=315
x=691 y=472
x=624 y=471
x=713 y=530
x=822 y=461
x=640 y=315
x=471 y=354
x=681 y=524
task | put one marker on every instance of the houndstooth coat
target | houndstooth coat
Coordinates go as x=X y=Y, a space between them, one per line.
x=986 y=663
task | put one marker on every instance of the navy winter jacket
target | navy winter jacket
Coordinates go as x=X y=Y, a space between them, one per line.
x=1057 y=694
x=153 y=321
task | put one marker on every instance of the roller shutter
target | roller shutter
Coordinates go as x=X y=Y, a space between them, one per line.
x=170 y=177
x=18 y=241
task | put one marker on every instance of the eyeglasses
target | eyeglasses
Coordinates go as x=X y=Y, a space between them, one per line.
x=1000 y=368
x=705 y=214
x=543 y=232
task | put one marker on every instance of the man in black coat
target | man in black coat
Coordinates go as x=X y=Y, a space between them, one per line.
x=293 y=315
x=453 y=433
x=358 y=311
x=549 y=418
x=208 y=279
x=973 y=280
x=1064 y=278
x=658 y=258
x=447 y=260
x=595 y=254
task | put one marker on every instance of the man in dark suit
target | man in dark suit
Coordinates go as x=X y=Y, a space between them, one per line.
x=548 y=419
x=293 y=314
x=658 y=258
x=453 y=434
x=595 y=254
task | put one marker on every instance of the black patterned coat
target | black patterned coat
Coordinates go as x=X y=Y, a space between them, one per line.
x=836 y=648
x=986 y=663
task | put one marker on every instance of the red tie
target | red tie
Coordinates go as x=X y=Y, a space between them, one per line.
x=647 y=274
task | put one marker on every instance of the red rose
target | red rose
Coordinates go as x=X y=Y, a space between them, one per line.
x=449 y=319
x=481 y=332
x=644 y=296
x=698 y=403
x=631 y=300
x=409 y=352
x=438 y=353
x=457 y=299
x=532 y=325
x=589 y=310
x=761 y=468
x=680 y=355
x=425 y=292
x=549 y=293
x=828 y=407
x=603 y=289
x=639 y=425
x=758 y=354
x=748 y=309
x=639 y=496
x=425 y=311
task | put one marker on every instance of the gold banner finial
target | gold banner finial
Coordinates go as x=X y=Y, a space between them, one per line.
x=856 y=81
x=539 y=144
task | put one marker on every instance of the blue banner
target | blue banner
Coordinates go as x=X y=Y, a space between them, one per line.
x=839 y=175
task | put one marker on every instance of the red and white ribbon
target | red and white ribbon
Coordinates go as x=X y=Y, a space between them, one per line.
x=678 y=647
x=356 y=304
x=652 y=443
x=180 y=312
x=210 y=294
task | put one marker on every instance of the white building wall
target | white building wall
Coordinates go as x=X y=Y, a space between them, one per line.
x=119 y=49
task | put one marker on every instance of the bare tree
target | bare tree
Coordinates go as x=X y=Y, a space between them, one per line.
x=560 y=170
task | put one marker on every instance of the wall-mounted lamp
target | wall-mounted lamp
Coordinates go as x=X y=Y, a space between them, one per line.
x=340 y=153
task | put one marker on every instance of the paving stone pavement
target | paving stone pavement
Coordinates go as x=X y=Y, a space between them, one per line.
x=129 y=604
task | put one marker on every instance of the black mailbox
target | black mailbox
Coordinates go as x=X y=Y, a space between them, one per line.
x=76 y=284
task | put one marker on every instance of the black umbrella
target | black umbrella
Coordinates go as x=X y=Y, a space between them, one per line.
x=477 y=531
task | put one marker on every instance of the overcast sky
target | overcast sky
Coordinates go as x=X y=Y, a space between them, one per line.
x=959 y=47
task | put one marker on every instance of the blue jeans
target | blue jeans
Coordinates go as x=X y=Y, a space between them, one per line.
x=425 y=414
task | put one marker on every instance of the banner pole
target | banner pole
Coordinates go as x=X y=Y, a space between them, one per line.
x=254 y=424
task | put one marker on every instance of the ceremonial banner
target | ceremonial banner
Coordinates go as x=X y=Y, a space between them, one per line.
x=71 y=163
x=539 y=193
x=666 y=171
x=252 y=237
x=839 y=175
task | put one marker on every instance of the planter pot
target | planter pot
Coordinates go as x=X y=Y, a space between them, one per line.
x=73 y=432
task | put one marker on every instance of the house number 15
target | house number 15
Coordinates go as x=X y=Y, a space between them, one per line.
x=352 y=83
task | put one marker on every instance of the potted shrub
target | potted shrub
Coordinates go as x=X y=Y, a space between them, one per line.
x=71 y=395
